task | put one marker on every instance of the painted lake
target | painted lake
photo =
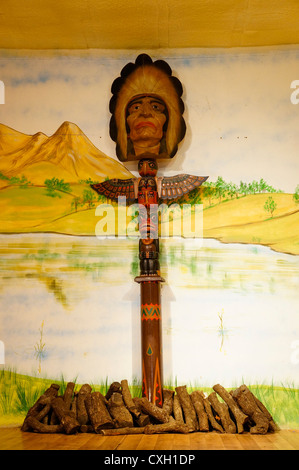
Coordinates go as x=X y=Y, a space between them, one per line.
x=69 y=306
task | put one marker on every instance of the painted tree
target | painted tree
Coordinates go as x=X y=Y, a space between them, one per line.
x=54 y=184
x=296 y=194
x=270 y=205
x=75 y=203
x=102 y=198
x=21 y=181
x=220 y=188
x=194 y=197
x=89 y=197
x=262 y=186
x=253 y=187
x=232 y=190
x=209 y=191
x=243 y=188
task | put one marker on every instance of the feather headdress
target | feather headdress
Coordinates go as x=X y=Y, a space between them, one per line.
x=146 y=77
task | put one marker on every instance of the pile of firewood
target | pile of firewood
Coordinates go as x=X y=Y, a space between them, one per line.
x=118 y=412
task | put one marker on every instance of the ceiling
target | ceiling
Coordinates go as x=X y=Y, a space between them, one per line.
x=147 y=24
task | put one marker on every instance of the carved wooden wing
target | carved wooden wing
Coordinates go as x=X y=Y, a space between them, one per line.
x=169 y=187
x=172 y=187
x=117 y=187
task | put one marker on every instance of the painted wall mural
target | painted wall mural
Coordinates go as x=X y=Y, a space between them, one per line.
x=69 y=308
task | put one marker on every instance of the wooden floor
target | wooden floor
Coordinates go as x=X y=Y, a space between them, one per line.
x=15 y=439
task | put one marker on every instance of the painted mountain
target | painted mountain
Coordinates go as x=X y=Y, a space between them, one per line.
x=68 y=154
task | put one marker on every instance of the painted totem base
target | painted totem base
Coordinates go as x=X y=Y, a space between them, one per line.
x=151 y=338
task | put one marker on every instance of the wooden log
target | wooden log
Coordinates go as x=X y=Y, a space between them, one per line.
x=114 y=387
x=171 y=426
x=43 y=400
x=82 y=415
x=128 y=399
x=248 y=405
x=143 y=419
x=43 y=415
x=223 y=413
x=156 y=412
x=122 y=418
x=121 y=431
x=188 y=408
x=70 y=425
x=68 y=394
x=45 y=419
x=197 y=399
x=103 y=398
x=98 y=414
x=240 y=417
x=74 y=405
x=86 y=428
x=53 y=420
x=37 y=426
x=168 y=401
x=177 y=410
x=212 y=420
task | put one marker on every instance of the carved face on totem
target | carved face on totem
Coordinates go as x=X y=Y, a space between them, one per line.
x=147 y=191
x=148 y=198
x=147 y=167
x=146 y=117
x=147 y=110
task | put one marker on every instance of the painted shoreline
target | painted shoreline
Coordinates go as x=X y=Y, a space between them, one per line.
x=278 y=247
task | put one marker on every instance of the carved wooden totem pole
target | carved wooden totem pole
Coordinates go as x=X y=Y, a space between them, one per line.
x=147 y=125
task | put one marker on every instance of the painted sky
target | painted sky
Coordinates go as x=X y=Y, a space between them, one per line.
x=241 y=123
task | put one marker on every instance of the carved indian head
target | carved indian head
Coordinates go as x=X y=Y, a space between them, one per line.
x=147 y=111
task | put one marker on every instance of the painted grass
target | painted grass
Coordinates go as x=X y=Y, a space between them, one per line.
x=19 y=392
x=242 y=220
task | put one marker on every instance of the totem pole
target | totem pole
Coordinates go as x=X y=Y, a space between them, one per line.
x=147 y=125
